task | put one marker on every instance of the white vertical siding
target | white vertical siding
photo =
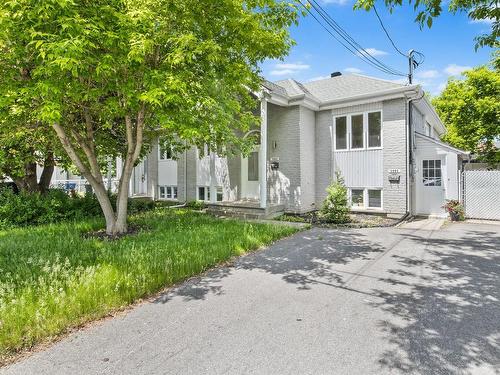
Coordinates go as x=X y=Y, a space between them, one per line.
x=360 y=168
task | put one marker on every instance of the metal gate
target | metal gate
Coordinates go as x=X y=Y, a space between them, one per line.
x=481 y=194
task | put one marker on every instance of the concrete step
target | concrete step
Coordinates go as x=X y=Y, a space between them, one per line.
x=245 y=211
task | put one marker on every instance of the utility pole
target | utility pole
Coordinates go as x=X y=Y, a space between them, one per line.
x=411 y=66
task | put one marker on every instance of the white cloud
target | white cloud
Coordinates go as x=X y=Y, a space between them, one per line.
x=288 y=69
x=455 y=70
x=282 y=72
x=374 y=52
x=428 y=74
x=353 y=70
x=487 y=21
x=441 y=87
x=292 y=66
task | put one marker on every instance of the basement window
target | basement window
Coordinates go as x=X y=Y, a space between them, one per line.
x=168 y=192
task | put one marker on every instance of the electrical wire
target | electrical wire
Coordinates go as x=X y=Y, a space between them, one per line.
x=348 y=42
x=387 y=34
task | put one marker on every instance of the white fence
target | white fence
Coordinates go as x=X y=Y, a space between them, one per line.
x=481 y=194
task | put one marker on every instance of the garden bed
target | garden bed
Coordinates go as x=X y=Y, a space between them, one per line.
x=53 y=279
x=358 y=220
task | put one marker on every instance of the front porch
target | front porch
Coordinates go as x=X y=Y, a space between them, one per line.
x=246 y=209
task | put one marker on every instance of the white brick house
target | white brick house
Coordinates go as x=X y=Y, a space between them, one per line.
x=389 y=156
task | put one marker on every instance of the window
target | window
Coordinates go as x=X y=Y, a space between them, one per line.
x=165 y=151
x=374 y=129
x=357 y=198
x=341 y=133
x=431 y=172
x=168 y=192
x=253 y=166
x=203 y=193
x=357 y=131
x=375 y=198
x=428 y=128
x=220 y=195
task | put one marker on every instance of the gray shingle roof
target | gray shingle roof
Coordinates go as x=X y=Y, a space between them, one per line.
x=343 y=86
x=348 y=85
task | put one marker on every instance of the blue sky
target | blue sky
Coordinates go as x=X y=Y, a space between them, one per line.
x=448 y=46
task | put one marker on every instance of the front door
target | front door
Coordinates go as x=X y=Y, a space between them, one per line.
x=140 y=179
x=250 y=176
x=430 y=187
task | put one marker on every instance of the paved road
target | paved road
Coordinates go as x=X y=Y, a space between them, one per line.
x=370 y=301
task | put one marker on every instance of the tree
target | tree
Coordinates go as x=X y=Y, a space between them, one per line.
x=427 y=10
x=109 y=76
x=335 y=208
x=470 y=109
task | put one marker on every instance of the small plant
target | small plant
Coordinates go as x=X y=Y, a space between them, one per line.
x=335 y=208
x=196 y=205
x=454 y=209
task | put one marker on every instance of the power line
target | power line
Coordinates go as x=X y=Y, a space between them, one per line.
x=387 y=33
x=360 y=51
x=347 y=41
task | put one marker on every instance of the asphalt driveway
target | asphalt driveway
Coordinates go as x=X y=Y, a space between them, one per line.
x=368 y=301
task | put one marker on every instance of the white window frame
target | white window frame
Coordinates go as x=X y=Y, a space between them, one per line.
x=381 y=131
x=346 y=133
x=366 y=203
x=428 y=129
x=206 y=192
x=169 y=192
x=365 y=131
x=218 y=191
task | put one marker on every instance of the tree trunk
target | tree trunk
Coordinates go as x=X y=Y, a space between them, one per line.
x=48 y=171
x=30 y=180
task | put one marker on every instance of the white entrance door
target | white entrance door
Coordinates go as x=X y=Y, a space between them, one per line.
x=140 y=179
x=250 y=176
x=431 y=186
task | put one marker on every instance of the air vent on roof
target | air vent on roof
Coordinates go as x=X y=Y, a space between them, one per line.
x=335 y=74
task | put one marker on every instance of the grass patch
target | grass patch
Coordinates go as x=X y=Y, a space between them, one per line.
x=53 y=278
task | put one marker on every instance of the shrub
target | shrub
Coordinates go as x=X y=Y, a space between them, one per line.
x=26 y=209
x=335 y=208
x=196 y=205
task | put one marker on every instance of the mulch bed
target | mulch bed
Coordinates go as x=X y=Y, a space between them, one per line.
x=358 y=220
x=103 y=236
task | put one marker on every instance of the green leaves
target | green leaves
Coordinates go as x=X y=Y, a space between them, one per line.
x=470 y=109
x=427 y=10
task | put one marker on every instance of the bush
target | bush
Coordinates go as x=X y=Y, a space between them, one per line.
x=335 y=208
x=26 y=209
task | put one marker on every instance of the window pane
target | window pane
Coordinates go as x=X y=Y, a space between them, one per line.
x=431 y=163
x=169 y=192
x=425 y=164
x=437 y=163
x=357 y=131
x=201 y=193
x=357 y=198
x=219 y=194
x=341 y=133
x=162 y=191
x=374 y=130
x=253 y=166
x=374 y=198
x=175 y=192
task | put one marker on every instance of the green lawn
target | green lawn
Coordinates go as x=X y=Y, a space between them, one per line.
x=52 y=278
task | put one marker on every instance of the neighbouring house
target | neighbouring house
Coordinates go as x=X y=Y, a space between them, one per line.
x=383 y=137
